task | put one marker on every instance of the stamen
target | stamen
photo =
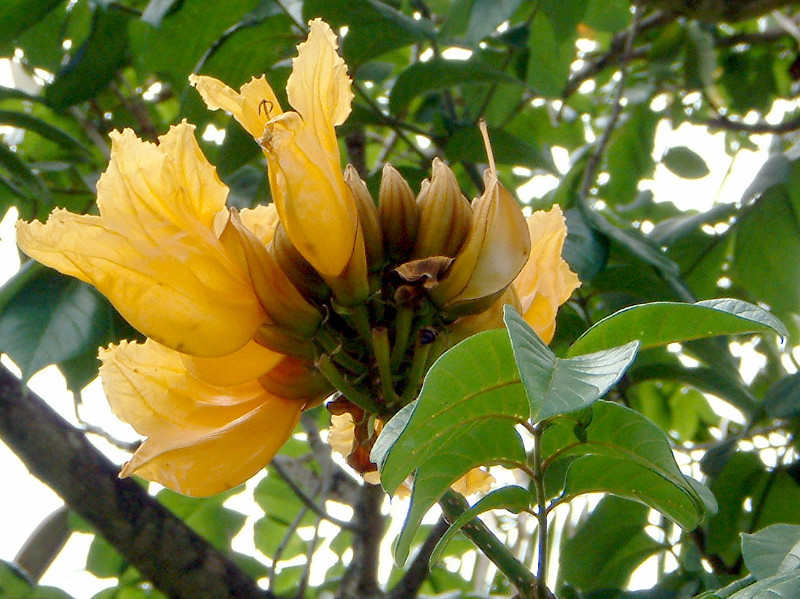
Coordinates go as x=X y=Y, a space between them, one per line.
x=267 y=106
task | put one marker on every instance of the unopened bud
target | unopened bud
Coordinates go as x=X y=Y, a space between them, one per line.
x=445 y=215
x=399 y=215
x=368 y=219
x=297 y=268
x=293 y=378
x=282 y=302
x=492 y=256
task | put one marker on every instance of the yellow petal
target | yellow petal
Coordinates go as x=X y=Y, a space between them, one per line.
x=152 y=251
x=316 y=208
x=495 y=252
x=202 y=439
x=202 y=462
x=319 y=87
x=243 y=365
x=474 y=481
x=261 y=221
x=253 y=105
x=546 y=281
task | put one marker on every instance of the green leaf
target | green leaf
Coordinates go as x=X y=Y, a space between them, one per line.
x=629 y=155
x=551 y=45
x=619 y=523
x=25 y=184
x=474 y=20
x=772 y=550
x=769 y=271
x=782 y=400
x=18 y=15
x=557 y=386
x=156 y=11
x=46 y=130
x=96 y=62
x=661 y=323
x=467 y=144
x=780 y=586
x=622 y=453
x=685 y=163
x=439 y=73
x=51 y=320
x=374 y=27
x=512 y=498
x=465 y=416
x=103 y=560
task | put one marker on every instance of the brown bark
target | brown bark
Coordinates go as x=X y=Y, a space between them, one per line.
x=174 y=558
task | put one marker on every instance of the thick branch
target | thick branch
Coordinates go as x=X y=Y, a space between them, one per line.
x=178 y=561
x=418 y=571
x=714 y=11
x=360 y=581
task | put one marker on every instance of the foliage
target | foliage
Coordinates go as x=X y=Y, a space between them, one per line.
x=633 y=397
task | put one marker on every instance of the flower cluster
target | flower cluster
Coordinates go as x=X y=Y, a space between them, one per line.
x=253 y=316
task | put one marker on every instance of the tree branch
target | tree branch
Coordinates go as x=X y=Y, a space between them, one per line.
x=715 y=11
x=360 y=580
x=177 y=560
x=417 y=571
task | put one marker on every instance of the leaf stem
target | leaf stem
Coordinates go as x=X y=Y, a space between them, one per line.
x=453 y=505
x=402 y=328
x=380 y=343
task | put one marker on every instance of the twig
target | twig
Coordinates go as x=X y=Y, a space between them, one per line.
x=307 y=499
x=723 y=122
x=593 y=164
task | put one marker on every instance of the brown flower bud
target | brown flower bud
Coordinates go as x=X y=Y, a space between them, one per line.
x=368 y=219
x=399 y=215
x=445 y=215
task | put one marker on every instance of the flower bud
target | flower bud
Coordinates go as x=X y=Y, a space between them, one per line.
x=445 y=215
x=293 y=378
x=492 y=256
x=297 y=268
x=368 y=219
x=351 y=288
x=399 y=215
x=282 y=302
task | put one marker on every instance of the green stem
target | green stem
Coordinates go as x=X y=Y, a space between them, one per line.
x=453 y=505
x=359 y=317
x=380 y=343
x=353 y=394
x=541 y=510
x=417 y=372
x=402 y=333
x=337 y=353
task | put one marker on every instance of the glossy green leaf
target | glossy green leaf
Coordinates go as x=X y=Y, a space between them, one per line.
x=96 y=62
x=557 y=386
x=512 y=498
x=621 y=452
x=465 y=417
x=685 y=163
x=661 y=323
x=772 y=550
x=439 y=73
x=589 y=564
x=51 y=320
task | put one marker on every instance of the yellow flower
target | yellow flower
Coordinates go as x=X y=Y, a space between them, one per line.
x=546 y=280
x=202 y=439
x=315 y=205
x=160 y=252
x=153 y=251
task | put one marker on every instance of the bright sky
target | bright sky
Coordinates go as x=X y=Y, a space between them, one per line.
x=22 y=510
